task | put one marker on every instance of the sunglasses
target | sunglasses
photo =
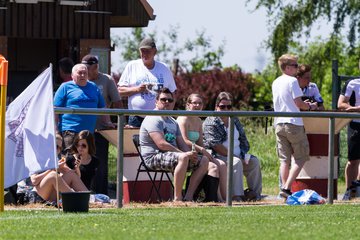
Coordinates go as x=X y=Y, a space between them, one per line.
x=58 y=147
x=294 y=65
x=169 y=100
x=81 y=145
x=222 y=107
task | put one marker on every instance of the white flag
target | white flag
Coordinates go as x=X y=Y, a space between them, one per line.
x=30 y=132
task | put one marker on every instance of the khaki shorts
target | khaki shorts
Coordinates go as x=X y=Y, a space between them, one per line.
x=291 y=140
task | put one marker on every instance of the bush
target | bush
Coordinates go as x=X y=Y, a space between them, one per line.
x=210 y=83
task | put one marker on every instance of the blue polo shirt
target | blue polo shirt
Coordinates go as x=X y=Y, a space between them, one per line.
x=72 y=95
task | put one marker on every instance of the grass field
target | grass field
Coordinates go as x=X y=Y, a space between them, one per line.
x=250 y=222
x=263 y=146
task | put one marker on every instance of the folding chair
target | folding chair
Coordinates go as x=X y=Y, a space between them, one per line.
x=143 y=168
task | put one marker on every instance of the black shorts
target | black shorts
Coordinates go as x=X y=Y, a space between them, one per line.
x=354 y=141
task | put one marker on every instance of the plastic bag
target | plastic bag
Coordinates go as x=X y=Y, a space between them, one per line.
x=102 y=198
x=305 y=197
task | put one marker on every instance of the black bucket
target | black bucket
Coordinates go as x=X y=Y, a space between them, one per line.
x=75 y=201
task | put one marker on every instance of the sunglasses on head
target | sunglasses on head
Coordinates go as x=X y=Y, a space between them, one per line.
x=169 y=100
x=82 y=145
x=222 y=107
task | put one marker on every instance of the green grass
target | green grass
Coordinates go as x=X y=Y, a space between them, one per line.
x=251 y=222
x=264 y=147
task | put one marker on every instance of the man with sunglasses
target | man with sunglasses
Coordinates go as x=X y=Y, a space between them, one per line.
x=215 y=131
x=141 y=80
x=291 y=139
x=163 y=148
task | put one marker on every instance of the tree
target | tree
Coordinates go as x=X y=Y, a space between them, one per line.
x=292 y=19
x=195 y=55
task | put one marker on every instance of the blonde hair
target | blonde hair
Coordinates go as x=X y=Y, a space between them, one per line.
x=285 y=60
x=190 y=97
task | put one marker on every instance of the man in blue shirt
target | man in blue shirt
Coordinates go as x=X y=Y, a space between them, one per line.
x=78 y=93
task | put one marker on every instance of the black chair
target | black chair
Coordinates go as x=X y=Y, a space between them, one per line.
x=143 y=168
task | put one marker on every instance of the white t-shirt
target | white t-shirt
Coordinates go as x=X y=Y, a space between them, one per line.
x=136 y=73
x=226 y=144
x=285 y=89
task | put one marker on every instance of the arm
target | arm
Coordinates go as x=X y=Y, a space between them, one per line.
x=244 y=143
x=161 y=143
x=343 y=103
x=128 y=91
x=307 y=106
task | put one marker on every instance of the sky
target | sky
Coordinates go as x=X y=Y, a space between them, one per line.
x=243 y=29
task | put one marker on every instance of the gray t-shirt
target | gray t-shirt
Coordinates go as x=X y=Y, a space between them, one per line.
x=167 y=125
x=109 y=92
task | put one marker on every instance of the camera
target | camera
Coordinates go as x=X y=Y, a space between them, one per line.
x=70 y=161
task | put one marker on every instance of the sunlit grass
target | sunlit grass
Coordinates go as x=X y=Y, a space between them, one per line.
x=250 y=222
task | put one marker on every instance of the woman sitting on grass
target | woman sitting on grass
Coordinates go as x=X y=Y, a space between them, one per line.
x=191 y=131
x=86 y=163
x=45 y=183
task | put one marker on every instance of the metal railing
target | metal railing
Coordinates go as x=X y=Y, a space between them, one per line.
x=120 y=113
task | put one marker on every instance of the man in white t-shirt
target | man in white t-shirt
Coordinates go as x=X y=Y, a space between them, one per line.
x=291 y=139
x=141 y=80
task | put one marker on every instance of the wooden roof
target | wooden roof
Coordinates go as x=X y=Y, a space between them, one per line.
x=50 y=20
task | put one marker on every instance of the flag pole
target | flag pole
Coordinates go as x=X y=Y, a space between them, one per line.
x=3 y=87
x=57 y=189
x=56 y=157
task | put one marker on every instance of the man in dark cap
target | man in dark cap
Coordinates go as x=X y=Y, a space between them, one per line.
x=112 y=98
x=142 y=78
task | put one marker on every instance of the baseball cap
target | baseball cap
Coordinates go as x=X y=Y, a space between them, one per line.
x=90 y=60
x=147 y=43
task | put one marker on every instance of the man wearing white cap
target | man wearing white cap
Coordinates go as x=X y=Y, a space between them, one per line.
x=141 y=80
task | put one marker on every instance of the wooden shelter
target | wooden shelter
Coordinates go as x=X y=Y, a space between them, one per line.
x=34 y=33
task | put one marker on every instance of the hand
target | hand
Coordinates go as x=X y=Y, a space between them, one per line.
x=77 y=161
x=63 y=168
x=193 y=157
x=142 y=88
x=313 y=106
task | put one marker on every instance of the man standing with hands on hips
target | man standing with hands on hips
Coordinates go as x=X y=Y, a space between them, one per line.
x=291 y=139
x=141 y=80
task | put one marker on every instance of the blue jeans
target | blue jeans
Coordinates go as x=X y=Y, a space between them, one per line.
x=135 y=121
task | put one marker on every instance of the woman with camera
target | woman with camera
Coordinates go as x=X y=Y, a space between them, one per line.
x=83 y=160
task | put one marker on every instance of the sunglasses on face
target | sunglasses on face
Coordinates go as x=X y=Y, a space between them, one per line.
x=81 y=145
x=169 y=100
x=222 y=107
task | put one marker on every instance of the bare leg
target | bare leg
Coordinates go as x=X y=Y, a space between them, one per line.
x=351 y=172
x=284 y=172
x=74 y=181
x=294 y=172
x=222 y=177
x=179 y=176
x=47 y=187
x=196 y=178
x=213 y=170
